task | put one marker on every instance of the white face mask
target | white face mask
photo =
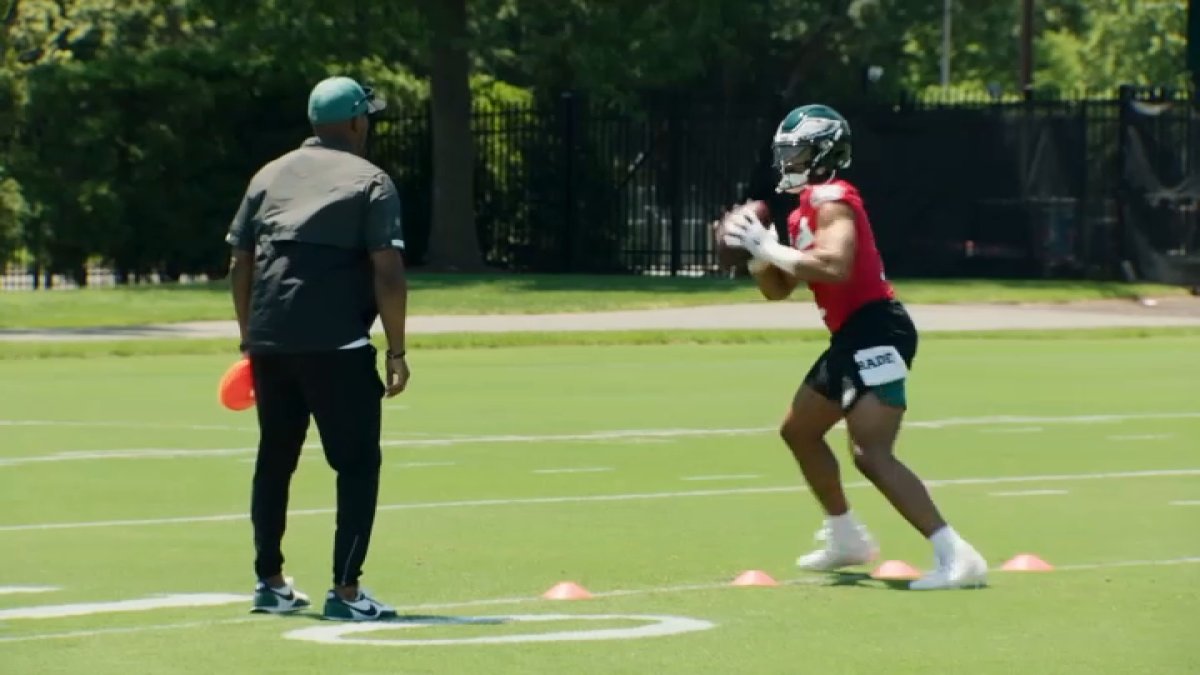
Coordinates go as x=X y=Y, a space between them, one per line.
x=792 y=183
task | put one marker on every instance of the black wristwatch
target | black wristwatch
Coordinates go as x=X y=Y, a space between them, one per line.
x=391 y=355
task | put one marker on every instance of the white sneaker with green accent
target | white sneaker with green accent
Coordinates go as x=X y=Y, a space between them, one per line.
x=846 y=543
x=960 y=567
x=282 y=600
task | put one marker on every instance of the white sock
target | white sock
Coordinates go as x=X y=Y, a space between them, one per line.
x=944 y=541
x=844 y=524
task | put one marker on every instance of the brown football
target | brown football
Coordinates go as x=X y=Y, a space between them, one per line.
x=735 y=258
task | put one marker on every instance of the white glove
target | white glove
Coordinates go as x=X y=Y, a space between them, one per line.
x=744 y=230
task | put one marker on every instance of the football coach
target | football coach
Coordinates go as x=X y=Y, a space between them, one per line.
x=317 y=246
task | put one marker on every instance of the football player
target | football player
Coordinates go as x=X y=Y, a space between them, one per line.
x=861 y=376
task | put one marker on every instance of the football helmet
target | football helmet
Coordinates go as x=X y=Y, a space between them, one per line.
x=809 y=146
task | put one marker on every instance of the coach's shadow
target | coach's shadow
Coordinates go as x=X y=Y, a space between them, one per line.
x=415 y=619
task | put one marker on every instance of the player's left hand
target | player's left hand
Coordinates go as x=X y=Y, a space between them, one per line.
x=744 y=230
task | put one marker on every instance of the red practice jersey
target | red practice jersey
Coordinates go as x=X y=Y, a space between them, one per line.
x=867 y=282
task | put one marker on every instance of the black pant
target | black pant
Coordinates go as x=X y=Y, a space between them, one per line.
x=343 y=393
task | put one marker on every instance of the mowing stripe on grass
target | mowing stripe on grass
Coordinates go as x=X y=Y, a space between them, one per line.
x=575 y=499
x=683 y=588
x=615 y=435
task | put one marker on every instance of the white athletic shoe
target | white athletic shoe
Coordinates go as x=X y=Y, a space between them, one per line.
x=962 y=567
x=844 y=546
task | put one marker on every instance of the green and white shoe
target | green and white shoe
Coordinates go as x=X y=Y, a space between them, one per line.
x=361 y=608
x=268 y=600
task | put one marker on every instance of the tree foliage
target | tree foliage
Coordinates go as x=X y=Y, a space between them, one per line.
x=129 y=127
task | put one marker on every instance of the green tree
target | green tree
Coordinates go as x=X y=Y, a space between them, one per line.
x=1114 y=42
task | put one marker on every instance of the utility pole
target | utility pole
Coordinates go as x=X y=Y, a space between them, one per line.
x=946 y=42
x=1193 y=53
x=1026 y=80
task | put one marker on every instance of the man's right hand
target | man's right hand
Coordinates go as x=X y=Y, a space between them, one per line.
x=397 y=375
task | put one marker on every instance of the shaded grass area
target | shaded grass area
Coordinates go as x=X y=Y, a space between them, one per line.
x=519 y=294
x=443 y=341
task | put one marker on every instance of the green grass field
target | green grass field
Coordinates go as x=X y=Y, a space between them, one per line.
x=515 y=294
x=649 y=474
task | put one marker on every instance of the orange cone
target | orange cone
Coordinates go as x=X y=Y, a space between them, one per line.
x=236 y=388
x=567 y=590
x=1027 y=562
x=895 y=569
x=754 y=578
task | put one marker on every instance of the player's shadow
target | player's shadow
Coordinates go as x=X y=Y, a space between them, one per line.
x=856 y=579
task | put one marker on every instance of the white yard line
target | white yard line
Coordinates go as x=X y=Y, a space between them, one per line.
x=628 y=435
x=1128 y=563
x=576 y=499
x=38 y=637
x=1186 y=502
x=1027 y=493
x=11 y=590
x=1141 y=437
x=173 y=601
x=123 y=425
x=421 y=465
x=492 y=602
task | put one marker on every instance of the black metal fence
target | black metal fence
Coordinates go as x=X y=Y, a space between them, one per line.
x=955 y=187
x=1069 y=187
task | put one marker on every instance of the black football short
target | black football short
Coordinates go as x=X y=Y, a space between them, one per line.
x=873 y=351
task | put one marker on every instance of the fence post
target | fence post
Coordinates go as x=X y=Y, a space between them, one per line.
x=1083 y=246
x=568 y=110
x=675 y=180
x=1121 y=245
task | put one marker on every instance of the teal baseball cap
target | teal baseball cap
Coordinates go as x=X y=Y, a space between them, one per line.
x=337 y=99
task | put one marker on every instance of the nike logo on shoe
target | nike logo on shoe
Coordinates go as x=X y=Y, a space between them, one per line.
x=361 y=608
x=270 y=600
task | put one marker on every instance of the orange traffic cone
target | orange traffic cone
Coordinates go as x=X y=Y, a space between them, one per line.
x=895 y=569
x=754 y=578
x=1026 y=562
x=567 y=590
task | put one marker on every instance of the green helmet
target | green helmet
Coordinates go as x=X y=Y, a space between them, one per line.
x=810 y=145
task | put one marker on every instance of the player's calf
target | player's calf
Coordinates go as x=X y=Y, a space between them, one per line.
x=902 y=488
